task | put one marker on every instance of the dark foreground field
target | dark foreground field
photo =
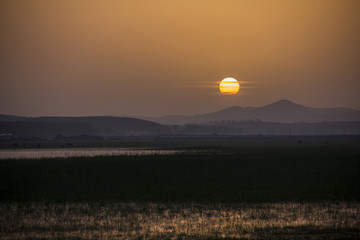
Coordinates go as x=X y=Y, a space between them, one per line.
x=267 y=192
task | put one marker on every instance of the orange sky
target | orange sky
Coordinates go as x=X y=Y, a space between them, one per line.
x=165 y=57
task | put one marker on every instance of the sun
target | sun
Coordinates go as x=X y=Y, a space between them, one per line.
x=229 y=86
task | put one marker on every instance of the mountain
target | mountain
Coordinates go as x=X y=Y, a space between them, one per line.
x=242 y=120
x=6 y=118
x=49 y=127
x=283 y=111
x=105 y=124
x=29 y=129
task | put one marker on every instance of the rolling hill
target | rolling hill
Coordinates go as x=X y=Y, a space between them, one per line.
x=49 y=127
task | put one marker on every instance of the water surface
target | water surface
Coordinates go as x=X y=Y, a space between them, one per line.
x=80 y=152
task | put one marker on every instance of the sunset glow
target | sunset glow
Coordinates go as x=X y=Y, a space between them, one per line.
x=129 y=54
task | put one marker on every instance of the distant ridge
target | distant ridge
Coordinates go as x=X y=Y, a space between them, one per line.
x=49 y=127
x=282 y=111
x=5 y=118
x=111 y=126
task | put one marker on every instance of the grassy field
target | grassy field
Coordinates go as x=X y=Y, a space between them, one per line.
x=252 y=192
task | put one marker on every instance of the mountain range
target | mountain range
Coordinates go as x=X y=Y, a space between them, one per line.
x=274 y=118
x=283 y=111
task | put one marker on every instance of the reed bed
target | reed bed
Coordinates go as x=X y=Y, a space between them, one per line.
x=327 y=220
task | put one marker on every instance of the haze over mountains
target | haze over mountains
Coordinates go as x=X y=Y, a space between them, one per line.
x=283 y=111
x=281 y=117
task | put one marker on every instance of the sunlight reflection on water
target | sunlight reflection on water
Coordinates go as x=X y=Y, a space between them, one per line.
x=81 y=152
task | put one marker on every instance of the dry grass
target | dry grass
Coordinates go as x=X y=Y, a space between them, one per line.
x=187 y=221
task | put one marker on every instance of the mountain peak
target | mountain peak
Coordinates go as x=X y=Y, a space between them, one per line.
x=284 y=101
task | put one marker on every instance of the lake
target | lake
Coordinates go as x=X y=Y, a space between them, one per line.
x=81 y=152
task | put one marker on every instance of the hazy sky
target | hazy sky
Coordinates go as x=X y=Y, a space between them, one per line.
x=167 y=57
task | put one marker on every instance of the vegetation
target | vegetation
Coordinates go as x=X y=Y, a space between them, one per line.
x=249 y=192
x=174 y=221
x=244 y=174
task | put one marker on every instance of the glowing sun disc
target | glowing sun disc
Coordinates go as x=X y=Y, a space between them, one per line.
x=229 y=86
